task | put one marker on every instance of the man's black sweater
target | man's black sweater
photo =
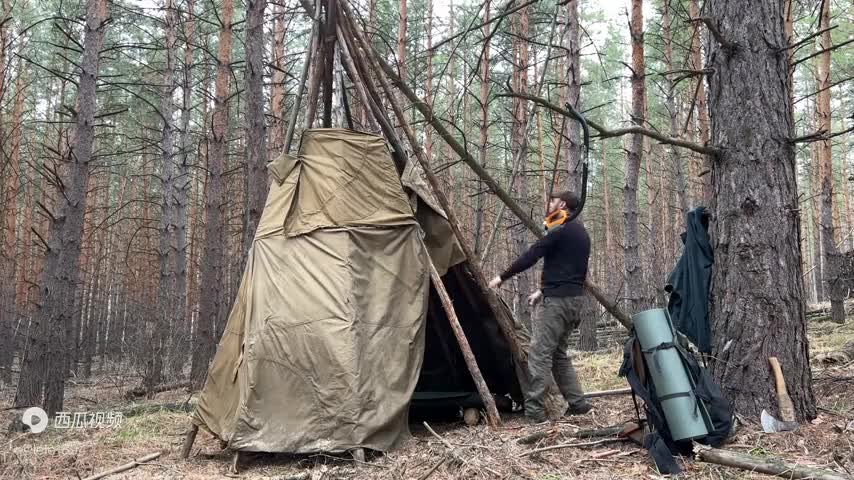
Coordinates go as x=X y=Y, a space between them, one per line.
x=565 y=250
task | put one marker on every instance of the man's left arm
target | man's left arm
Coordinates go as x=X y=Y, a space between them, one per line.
x=527 y=259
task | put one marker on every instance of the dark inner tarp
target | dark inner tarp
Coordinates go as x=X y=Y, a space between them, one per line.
x=445 y=383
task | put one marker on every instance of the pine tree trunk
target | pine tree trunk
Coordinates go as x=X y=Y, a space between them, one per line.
x=757 y=294
x=213 y=253
x=670 y=103
x=832 y=286
x=702 y=110
x=634 y=270
x=818 y=242
x=61 y=271
x=181 y=190
x=8 y=266
x=166 y=315
x=484 y=130
x=428 y=87
x=524 y=281
x=256 y=134
x=277 y=88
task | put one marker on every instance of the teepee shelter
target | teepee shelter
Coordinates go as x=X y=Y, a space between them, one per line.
x=337 y=329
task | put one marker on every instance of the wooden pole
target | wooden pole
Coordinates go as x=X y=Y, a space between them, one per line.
x=188 y=441
x=502 y=315
x=127 y=466
x=426 y=112
x=492 y=417
x=312 y=45
x=767 y=466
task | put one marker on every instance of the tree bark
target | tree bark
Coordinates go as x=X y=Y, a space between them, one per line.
x=62 y=264
x=484 y=129
x=256 y=134
x=696 y=63
x=166 y=251
x=757 y=308
x=833 y=286
x=634 y=270
x=181 y=191
x=277 y=89
x=519 y=149
x=211 y=270
x=9 y=310
x=574 y=155
x=673 y=111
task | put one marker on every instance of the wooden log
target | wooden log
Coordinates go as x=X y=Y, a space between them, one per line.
x=142 y=392
x=188 y=441
x=492 y=416
x=769 y=466
x=126 y=466
x=307 y=62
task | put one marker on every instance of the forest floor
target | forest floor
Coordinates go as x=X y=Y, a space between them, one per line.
x=78 y=453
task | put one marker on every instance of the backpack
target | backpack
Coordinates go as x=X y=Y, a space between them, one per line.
x=716 y=409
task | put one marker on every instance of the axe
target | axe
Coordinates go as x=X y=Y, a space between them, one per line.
x=784 y=404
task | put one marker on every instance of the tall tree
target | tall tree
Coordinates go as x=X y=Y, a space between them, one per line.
x=256 y=133
x=634 y=271
x=757 y=306
x=484 y=126
x=833 y=287
x=181 y=190
x=213 y=253
x=62 y=264
x=167 y=316
x=696 y=64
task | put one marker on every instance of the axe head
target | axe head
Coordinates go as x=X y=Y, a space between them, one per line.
x=772 y=425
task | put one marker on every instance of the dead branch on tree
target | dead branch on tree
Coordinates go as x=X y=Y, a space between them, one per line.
x=607 y=133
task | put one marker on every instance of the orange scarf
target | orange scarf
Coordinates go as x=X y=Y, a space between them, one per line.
x=555 y=218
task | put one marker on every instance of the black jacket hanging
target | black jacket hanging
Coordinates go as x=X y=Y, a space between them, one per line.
x=688 y=283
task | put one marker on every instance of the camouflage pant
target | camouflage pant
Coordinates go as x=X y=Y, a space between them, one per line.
x=559 y=317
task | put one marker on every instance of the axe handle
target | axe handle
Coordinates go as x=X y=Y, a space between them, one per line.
x=784 y=402
x=779 y=381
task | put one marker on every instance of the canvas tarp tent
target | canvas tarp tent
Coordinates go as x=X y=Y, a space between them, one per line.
x=324 y=346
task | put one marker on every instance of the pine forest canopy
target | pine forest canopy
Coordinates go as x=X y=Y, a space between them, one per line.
x=135 y=135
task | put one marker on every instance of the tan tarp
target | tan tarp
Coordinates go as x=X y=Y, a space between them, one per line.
x=325 y=342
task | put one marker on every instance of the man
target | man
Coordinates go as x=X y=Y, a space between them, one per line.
x=565 y=249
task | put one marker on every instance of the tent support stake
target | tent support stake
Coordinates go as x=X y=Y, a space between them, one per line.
x=492 y=416
x=189 y=440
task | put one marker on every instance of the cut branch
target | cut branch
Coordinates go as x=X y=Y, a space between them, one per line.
x=606 y=133
x=713 y=28
x=819 y=136
x=767 y=466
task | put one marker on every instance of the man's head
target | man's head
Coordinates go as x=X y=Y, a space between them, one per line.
x=565 y=200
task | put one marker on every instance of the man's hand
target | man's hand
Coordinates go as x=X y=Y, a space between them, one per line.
x=495 y=282
x=535 y=298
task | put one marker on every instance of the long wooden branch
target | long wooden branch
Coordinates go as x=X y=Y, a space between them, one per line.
x=427 y=113
x=819 y=52
x=762 y=465
x=607 y=133
x=819 y=136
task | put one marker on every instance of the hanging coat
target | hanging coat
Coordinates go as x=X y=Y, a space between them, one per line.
x=688 y=283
